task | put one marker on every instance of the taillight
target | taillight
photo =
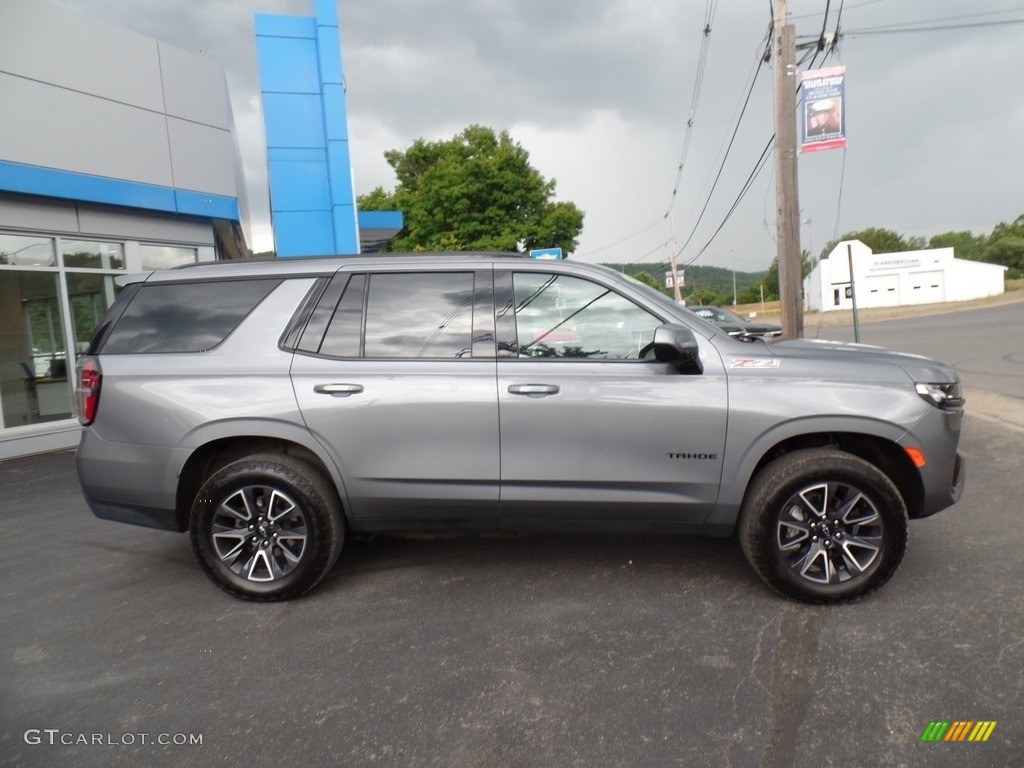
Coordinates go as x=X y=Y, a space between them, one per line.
x=87 y=389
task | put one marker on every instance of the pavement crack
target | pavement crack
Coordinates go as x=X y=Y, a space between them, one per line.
x=794 y=669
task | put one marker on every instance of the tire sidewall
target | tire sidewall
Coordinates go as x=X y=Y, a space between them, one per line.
x=761 y=515
x=281 y=475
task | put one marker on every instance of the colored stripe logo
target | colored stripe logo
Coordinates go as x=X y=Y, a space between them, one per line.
x=958 y=730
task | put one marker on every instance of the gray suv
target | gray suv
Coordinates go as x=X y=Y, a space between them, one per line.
x=272 y=408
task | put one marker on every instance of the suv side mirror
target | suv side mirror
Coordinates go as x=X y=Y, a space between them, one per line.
x=677 y=345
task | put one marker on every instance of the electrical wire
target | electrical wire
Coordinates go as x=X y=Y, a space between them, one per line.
x=725 y=157
x=702 y=58
x=709 y=14
x=758 y=167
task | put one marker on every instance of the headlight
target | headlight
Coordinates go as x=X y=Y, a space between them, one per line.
x=947 y=396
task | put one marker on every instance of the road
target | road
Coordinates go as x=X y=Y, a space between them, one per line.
x=986 y=345
x=527 y=651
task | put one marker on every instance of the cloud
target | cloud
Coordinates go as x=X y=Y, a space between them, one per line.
x=599 y=92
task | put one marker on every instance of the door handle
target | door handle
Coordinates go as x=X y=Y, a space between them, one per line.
x=338 y=390
x=533 y=390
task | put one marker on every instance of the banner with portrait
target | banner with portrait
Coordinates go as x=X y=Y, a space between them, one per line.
x=823 y=109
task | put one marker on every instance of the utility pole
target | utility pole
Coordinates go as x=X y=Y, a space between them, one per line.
x=787 y=209
x=677 y=293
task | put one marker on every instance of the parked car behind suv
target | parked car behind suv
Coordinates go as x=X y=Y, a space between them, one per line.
x=735 y=325
x=270 y=408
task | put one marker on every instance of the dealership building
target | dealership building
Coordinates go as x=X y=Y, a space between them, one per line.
x=895 y=279
x=118 y=154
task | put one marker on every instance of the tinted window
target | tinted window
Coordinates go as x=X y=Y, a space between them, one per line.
x=427 y=314
x=184 y=317
x=567 y=317
x=345 y=331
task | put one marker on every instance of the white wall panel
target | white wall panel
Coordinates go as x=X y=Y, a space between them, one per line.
x=194 y=87
x=52 y=127
x=203 y=158
x=58 y=45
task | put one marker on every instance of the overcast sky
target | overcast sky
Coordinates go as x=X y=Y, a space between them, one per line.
x=599 y=93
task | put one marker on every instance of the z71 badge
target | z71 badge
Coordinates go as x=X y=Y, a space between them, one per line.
x=755 y=362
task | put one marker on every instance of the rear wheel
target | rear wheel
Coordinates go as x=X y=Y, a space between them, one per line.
x=267 y=527
x=823 y=526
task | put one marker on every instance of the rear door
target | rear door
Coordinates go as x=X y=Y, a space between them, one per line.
x=395 y=376
x=592 y=434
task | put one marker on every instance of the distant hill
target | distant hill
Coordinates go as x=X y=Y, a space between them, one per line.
x=702 y=279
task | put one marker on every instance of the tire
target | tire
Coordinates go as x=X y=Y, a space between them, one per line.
x=266 y=527
x=823 y=526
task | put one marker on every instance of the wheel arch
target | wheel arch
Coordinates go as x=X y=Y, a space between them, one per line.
x=217 y=453
x=880 y=450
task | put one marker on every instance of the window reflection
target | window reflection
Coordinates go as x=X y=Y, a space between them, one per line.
x=420 y=315
x=27 y=251
x=34 y=384
x=166 y=256
x=568 y=317
x=90 y=295
x=93 y=255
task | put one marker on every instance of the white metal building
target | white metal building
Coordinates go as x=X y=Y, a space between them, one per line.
x=895 y=279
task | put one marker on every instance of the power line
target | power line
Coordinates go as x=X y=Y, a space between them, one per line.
x=709 y=14
x=725 y=156
x=902 y=29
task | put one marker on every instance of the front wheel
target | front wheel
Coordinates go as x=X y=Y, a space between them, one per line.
x=823 y=526
x=267 y=527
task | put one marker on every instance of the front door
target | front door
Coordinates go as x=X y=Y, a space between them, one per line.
x=590 y=429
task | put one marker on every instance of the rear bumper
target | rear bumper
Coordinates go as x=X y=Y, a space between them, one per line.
x=129 y=483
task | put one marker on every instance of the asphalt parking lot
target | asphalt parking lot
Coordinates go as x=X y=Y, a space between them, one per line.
x=527 y=651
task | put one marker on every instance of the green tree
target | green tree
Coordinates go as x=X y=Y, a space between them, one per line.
x=879 y=240
x=1006 y=246
x=703 y=296
x=965 y=245
x=475 y=191
x=648 y=279
x=771 y=280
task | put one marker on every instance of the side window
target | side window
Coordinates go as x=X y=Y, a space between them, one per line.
x=425 y=314
x=346 y=330
x=407 y=315
x=568 y=317
x=184 y=317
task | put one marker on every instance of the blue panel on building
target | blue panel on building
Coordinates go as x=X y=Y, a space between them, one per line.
x=272 y=25
x=335 y=114
x=210 y=206
x=307 y=193
x=32 y=180
x=345 y=238
x=327 y=12
x=340 y=166
x=293 y=120
x=290 y=64
x=297 y=154
x=329 y=54
x=299 y=186
x=392 y=220
x=303 y=233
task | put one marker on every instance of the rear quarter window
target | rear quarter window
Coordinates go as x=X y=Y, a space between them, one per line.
x=184 y=317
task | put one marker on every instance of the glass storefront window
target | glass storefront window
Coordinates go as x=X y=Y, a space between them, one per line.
x=23 y=251
x=90 y=295
x=93 y=255
x=166 y=256
x=34 y=382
